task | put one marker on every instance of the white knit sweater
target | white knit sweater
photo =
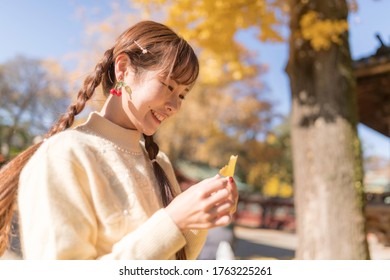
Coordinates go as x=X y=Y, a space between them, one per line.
x=90 y=193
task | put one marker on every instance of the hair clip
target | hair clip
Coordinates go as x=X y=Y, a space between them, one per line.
x=143 y=50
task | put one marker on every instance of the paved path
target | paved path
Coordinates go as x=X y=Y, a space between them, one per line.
x=274 y=244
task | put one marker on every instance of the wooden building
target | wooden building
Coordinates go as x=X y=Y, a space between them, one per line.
x=373 y=89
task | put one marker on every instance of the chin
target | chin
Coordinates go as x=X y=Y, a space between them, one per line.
x=149 y=132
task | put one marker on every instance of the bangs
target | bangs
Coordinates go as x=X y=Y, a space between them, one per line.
x=181 y=63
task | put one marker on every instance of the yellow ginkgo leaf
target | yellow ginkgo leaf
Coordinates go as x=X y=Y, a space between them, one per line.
x=228 y=170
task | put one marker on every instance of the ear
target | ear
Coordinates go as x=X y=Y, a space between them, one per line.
x=122 y=66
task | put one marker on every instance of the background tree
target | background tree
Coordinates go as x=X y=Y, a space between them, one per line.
x=326 y=149
x=32 y=95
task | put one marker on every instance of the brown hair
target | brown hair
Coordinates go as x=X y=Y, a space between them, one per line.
x=167 y=53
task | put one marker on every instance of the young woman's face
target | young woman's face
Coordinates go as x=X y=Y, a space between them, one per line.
x=153 y=99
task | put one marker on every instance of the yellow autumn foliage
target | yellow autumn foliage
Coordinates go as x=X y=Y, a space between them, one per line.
x=322 y=33
x=212 y=26
x=274 y=187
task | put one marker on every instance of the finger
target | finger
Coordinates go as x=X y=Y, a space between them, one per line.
x=232 y=184
x=212 y=221
x=213 y=178
x=211 y=185
x=218 y=197
x=222 y=221
x=233 y=188
x=221 y=208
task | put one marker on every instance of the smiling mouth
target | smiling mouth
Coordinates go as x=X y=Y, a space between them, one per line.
x=158 y=116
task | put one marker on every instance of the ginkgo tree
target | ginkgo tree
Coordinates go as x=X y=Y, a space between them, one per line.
x=212 y=26
x=326 y=150
x=328 y=175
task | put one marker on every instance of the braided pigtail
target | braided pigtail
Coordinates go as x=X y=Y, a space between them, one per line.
x=9 y=174
x=86 y=92
x=162 y=180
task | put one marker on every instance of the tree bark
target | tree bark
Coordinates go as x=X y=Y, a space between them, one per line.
x=328 y=189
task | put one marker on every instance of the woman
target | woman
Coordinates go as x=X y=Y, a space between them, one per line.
x=98 y=191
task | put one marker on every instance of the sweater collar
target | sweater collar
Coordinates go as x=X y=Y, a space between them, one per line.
x=125 y=138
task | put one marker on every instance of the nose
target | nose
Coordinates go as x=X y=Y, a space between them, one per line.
x=173 y=106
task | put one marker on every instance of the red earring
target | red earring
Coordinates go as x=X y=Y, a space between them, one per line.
x=117 y=90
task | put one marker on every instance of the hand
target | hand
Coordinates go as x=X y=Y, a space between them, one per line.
x=205 y=205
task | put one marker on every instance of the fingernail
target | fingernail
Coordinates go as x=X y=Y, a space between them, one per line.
x=231 y=180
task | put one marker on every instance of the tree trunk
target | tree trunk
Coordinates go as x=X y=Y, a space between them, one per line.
x=326 y=150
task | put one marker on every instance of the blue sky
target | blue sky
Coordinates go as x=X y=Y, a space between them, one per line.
x=52 y=29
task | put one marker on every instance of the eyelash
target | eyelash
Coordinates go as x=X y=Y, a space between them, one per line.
x=182 y=97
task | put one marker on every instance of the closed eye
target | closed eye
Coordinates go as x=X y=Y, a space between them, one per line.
x=171 y=88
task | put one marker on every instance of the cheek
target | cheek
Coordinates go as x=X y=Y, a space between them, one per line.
x=147 y=97
x=141 y=106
